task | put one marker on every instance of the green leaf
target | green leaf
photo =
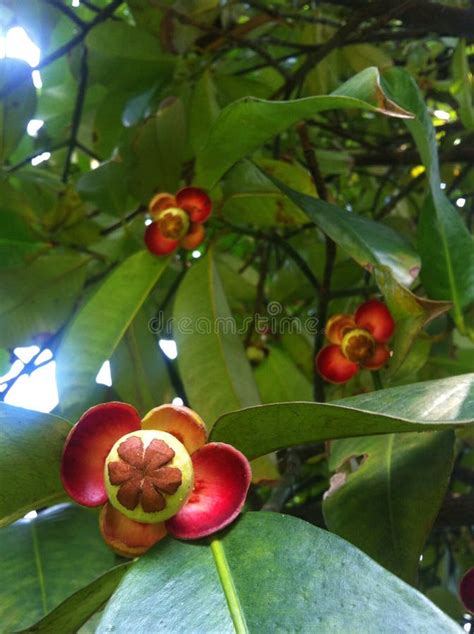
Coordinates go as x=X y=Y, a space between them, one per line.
x=125 y=57
x=447 y=271
x=203 y=110
x=243 y=126
x=39 y=297
x=139 y=374
x=250 y=198
x=278 y=379
x=31 y=444
x=155 y=156
x=4 y=361
x=18 y=107
x=100 y=325
x=410 y=312
x=45 y=560
x=427 y=406
x=212 y=362
x=77 y=609
x=254 y=579
x=463 y=84
x=106 y=187
x=388 y=505
x=368 y=242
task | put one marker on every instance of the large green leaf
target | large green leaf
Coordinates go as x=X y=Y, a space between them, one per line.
x=77 y=609
x=38 y=298
x=17 y=108
x=253 y=579
x=31 y=444
x=215 y=371
x=106 y=187
x=279 y=379
x=388 y=505
x=427 y=406
x=139 y=374
x=100 y=325
x=368 y=242
x=46 y=559
x=445 y=246
x=243 y=126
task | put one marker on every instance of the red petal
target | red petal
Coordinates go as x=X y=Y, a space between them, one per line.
x=87 y=447
x=157 y=243
x=222 y=477
x=195 y=202
x=194 y=237
x=375 y=317
x=160 y=202
x=466 y=590
x=333 y=366
x=181 y=422
x=379 y=358
x=126 y=537
x=337 y=326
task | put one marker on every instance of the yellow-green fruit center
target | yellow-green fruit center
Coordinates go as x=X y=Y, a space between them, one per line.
x=148 y=475
x=358 y=345
x=173 y=223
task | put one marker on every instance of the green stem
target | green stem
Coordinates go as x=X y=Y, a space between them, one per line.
x=378 y=385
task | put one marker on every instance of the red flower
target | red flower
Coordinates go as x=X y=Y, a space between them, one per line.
x=152 y=476
x=177 y=220
x=356 y=341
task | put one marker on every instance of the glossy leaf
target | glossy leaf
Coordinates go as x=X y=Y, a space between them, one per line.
x=368 y=242
x=253 y=579
x=388 y=505
x=77 y=609
x=29 y=468
x=99 y=326
x=258 y=120
x=39 y=297
x=429 y=406
x=139 y=374
x=411 y=314
x=106 y=187
x=18 y=107
x=448 y=270
x=215 y=371
x=45 y=560
x=279 y=380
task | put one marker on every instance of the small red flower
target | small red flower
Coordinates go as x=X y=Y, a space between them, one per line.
x=152 y=476
x=356 y=341
x=177 y=220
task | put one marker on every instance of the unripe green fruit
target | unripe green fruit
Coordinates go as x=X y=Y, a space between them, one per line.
x=148 y=476
x=173 y=223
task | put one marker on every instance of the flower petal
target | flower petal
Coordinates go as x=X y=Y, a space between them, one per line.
x=156 y=243
x=337 y=326
x=126 y=537
x=194 y=237
x=333 y=366
x=379 y=357
x=160 y=202
x=466 y=590
x=87 y=447
x=375 y=317
x=195 y=202
x=222 y=477
x=187 y=426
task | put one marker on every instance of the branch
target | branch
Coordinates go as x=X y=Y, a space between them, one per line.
x=67 y=11
x=77 y=115
x=136 y=212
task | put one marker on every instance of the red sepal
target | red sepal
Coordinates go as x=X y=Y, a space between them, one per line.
x=375 y=317
x=195 y=202
x=333 y=366
x=156 y=243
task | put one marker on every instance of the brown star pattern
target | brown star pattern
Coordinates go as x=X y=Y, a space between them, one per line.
x=142 y=474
